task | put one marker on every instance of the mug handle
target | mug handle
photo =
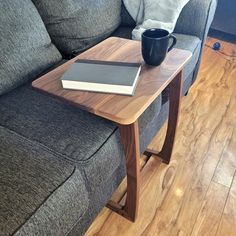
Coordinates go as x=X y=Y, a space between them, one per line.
x=173 y=43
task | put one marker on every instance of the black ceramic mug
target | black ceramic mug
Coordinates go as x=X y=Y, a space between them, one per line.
x=155 y=45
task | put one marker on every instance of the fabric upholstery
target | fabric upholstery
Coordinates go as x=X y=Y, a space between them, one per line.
x=102 y=169
x=91 y=144
x=193 y=44
x=98 y=199
x=196 y=18
x=64 y=130
x=26 y=48
x=77 y=25
x=39 y=192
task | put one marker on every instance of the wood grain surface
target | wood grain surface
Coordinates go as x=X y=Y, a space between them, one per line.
x=118 y=108
x=202 y=197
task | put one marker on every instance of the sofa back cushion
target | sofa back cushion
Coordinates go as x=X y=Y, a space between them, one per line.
x=75 y=25
x=25 y=46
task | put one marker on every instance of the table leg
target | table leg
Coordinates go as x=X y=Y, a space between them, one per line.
x=175 y=88
x=130 y=139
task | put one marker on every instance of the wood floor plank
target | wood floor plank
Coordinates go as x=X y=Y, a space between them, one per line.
x=226 y=168
x=206 y=143
x=209 y=217
x=227 y=225
x=156 y=187
x=220 y=67
x=207 y=120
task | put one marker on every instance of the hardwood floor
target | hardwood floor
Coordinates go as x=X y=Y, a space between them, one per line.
x=196 y=193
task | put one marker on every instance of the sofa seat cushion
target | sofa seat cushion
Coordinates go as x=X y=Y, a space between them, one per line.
x=25 y=46
x=63 y=128
x=77 y=25
x=40 y=193
x=87 y=140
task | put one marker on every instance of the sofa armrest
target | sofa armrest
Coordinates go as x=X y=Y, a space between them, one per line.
x=196 y=18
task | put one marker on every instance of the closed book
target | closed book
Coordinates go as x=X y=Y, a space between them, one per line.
x=102 y=76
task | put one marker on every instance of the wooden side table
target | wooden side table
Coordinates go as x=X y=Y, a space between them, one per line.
x=125 y=110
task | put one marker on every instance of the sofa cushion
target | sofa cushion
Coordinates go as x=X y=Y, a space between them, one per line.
x=85 y=139
x=77 y=25
x=40 y=193
x=26 y=48
x=63 y=128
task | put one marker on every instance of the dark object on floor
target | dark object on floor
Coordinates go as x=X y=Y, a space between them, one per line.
x=216 y=46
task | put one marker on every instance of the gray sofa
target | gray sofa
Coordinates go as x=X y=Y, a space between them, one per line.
x=59 y=164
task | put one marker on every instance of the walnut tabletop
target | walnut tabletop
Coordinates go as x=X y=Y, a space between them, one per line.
x=118 y=108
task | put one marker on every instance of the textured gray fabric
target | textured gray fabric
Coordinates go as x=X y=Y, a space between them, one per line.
x=98 y=198
x=103 y=173
x=77 y=25
x=39 y=191
x=196 y=18
x=63 y=128
x=102 y=164
x=26 y=48
x=61 y=211
x=211 y=8
x=192 y=44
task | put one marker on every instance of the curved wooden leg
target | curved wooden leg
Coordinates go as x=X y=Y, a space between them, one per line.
x=175 y=88
x=130 y=139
